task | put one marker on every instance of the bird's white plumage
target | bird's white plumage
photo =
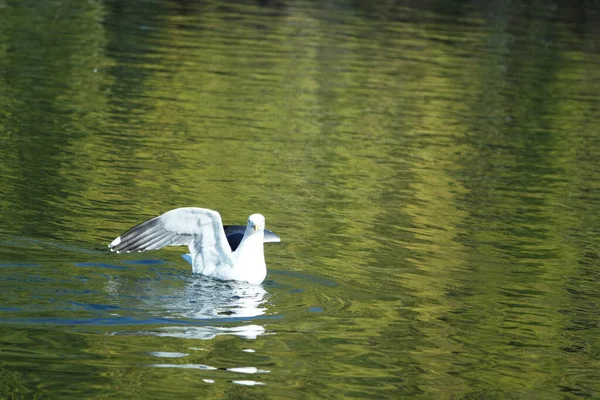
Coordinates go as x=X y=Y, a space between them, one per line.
x=202 y=231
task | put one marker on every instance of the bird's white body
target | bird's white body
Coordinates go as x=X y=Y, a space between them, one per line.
x=202 y=231
x=247 y=262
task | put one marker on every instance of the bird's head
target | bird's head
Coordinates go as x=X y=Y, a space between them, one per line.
x=256 y=222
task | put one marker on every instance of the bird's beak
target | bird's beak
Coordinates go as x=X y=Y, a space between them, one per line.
x=256 y=228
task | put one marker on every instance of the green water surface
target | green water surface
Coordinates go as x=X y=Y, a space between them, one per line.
x=433 y=169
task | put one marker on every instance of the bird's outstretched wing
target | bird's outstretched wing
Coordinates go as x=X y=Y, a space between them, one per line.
x=199 y=228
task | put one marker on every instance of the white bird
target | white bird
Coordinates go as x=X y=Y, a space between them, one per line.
x=213 y=248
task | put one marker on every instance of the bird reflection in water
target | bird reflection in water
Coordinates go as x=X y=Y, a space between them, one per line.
x=227 y=308
x=191 y=306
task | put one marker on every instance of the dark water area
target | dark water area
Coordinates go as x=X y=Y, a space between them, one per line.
x=431 y=167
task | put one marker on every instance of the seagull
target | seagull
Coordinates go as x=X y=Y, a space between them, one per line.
x=215 y=250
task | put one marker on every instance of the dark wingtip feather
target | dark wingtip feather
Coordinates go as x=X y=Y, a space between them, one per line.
x=136 y=237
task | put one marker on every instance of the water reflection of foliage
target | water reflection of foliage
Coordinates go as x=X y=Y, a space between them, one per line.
x=433 y=163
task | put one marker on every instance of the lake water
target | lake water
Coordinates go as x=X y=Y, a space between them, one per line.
x=432 y=169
